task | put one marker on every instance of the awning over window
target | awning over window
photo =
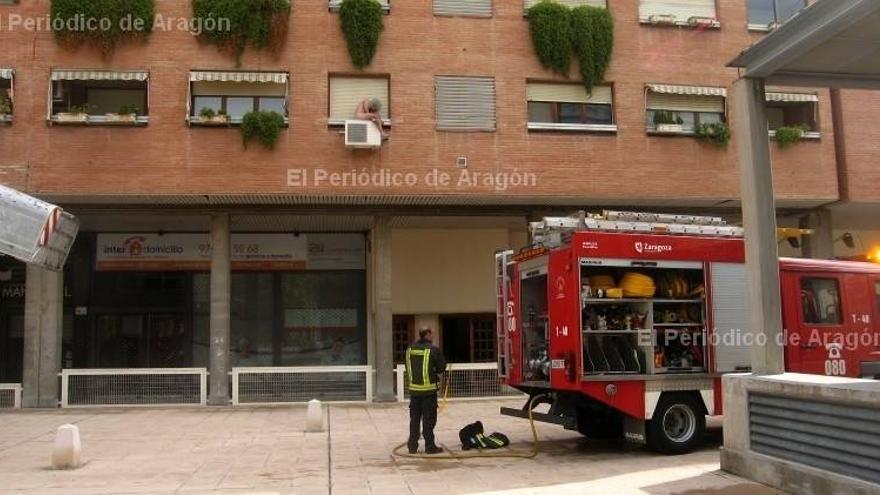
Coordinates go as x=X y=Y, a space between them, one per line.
x=687 y=90
x=249 y=77
x=685 y=103
x=568 y=93
x=99 y=75
x=346 y=94
x=6 y=73
x=792 y=97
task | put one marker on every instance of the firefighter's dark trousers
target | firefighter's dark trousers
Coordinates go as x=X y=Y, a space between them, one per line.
x=422 y=412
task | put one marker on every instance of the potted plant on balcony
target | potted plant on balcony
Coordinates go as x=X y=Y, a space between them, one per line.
x=75 y=114
x=207 y=116
x=264 y=126
x=127 y=115
x=716 y=132
x=667 y=122
x=789 y=135
x=5 y=109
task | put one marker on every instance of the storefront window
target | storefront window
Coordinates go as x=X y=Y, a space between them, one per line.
x=324 y=318
x=253 y=314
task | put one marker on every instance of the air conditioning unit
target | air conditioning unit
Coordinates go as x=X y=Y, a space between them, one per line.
x=362 y=134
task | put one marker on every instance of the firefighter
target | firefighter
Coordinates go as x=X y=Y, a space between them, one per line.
x=424 y=365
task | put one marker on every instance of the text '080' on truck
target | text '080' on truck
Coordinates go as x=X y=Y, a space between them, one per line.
x=625 y=322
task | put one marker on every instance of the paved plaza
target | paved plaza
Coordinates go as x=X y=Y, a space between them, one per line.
x=265 y=451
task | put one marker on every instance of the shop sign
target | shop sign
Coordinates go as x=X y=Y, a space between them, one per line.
x=250 y=252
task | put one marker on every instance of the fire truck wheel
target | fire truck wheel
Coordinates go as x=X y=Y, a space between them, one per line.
x=677 y=426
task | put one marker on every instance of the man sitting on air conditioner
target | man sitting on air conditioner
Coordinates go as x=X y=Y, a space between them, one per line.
x=368 y=109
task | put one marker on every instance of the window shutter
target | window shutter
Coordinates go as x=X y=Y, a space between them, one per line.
x=465 y=103
x=685 y=103
x=568 y=93
x=681 y=9
x=572 y=3
x=335 y=4
x=347 y=92
x=475 y=8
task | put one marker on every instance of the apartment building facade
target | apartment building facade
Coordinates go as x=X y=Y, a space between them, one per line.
x=194 y=246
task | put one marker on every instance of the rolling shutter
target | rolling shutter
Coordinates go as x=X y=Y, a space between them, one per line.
x=474 y=8
x=681 y=9
x=730 y=317
x=335 y=4
x=685 y=103
x=568 y=93
x=465 y=103
x=6 y=73
x=572 y=3
x=346 y=94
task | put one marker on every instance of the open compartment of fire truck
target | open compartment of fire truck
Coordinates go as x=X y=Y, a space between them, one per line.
x=642 y=318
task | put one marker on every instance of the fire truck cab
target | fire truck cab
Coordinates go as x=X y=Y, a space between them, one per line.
x=624 y=322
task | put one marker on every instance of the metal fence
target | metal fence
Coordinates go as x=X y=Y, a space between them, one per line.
x=288 y=385
x=10 y=395
x=465 y=381
x=134 y=387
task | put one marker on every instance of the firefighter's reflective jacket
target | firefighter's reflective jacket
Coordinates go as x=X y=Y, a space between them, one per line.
x=424 y=365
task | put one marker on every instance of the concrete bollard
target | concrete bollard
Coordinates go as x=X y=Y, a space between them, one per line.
x=314 y=417
x=67 y=452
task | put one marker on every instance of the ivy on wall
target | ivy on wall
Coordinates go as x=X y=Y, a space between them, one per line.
x=551 y=29
x=362 y=24
x=235 y=24
x=593 y=40
x=101 y=23
x=558 y=31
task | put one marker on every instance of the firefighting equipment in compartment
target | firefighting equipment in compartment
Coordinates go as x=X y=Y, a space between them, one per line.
x=472 y=437
x=602 y=282
x=676 y=286
x=614 y=293
x=636 y=284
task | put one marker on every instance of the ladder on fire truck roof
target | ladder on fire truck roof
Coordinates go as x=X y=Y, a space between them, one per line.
x=555 y=231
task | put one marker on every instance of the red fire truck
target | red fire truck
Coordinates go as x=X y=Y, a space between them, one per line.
x=624 y=322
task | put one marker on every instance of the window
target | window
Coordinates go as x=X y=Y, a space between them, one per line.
x=572 y=3
x=6 y=93
x=820 y=298
x=767 y=14
x=99 y=97
x=569 y=107
x=466 y=8
x=680 y=109
x=402 y=336
x=793 y=109
x=465 y=103
x=679 y=12
x=386 y=5
x=228 y=96
x=346 y=93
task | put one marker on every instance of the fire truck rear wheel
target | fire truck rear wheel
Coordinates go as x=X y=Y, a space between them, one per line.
x=678 y=425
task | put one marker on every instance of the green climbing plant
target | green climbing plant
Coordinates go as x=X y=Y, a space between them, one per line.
x=362 y=23
x=101 y=23
x=717 y=132
x=551 y=29
x=789 y=135
x=264 y=126
x=233 y=25
x=592 y=41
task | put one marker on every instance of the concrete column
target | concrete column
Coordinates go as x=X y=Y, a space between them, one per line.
x=820 y=244
x=221 y=294
x=382 y=313
x=759 y=219
x=43 y=326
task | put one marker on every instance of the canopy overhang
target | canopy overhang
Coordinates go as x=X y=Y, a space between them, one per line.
x=830 y=43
